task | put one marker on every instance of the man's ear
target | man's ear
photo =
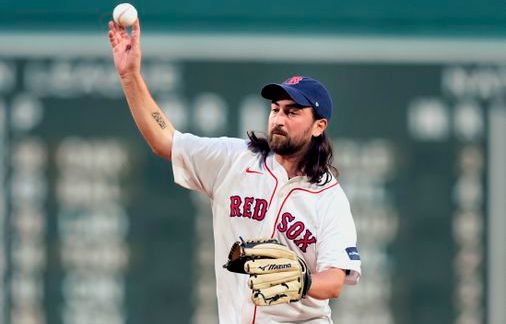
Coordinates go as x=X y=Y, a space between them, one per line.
x=319 y=126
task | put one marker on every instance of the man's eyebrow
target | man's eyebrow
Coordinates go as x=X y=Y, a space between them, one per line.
x=295 y=105
x=290 y=106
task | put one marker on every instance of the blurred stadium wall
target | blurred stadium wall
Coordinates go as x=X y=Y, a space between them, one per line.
x=93 y=231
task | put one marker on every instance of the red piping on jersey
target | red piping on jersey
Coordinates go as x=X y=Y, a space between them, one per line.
x=284 y=200
x=270 y=201
x=279 y=211
x=254 y=315
x=275 y=179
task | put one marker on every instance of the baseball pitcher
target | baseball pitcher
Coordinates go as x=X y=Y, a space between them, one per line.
x=285 y=239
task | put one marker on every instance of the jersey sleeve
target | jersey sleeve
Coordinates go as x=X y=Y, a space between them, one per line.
x=198 y=163
x=337 y=244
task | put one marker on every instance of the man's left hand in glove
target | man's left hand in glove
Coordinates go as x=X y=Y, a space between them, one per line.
x=277 y=274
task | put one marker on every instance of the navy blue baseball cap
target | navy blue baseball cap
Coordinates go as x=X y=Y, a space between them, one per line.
x=304 y=91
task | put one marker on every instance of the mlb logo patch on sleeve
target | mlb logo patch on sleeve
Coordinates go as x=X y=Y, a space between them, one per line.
x=353 y=253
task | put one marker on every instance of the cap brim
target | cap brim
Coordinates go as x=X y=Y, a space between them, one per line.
x=275 y=91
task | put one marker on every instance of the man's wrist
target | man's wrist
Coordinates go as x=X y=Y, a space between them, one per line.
x=131 y=78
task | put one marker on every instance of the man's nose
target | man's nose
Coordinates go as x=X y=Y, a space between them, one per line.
x=280 y=118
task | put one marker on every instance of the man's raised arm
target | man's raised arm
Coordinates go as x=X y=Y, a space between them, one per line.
x=154 y=125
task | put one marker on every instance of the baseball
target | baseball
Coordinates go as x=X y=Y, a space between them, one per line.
x=124 y=14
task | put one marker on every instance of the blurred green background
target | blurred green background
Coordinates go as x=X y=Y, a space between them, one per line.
x=93 y=230
x=433 y=17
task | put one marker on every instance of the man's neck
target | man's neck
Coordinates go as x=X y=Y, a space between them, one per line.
x=290 y=163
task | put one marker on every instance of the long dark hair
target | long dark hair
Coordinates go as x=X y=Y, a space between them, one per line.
x=316 y=164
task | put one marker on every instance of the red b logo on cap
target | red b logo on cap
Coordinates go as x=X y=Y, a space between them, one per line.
x=294 y=80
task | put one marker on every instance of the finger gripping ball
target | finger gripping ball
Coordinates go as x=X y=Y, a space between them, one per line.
x=124 y=14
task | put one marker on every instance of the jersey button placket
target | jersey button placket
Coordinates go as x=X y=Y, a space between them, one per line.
x=280 y=198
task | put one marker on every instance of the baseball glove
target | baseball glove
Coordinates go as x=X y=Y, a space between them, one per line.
x=277 y=274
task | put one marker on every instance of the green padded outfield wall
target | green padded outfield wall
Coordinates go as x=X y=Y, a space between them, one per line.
x=95 y=231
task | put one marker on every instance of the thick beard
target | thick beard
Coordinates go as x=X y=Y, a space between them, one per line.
x=286 y=146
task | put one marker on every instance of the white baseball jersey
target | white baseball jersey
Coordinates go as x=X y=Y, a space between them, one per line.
x=253 y=198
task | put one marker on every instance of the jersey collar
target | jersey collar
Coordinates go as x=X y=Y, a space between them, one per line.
x=282 y=176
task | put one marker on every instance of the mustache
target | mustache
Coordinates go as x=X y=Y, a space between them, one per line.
x=279 y=131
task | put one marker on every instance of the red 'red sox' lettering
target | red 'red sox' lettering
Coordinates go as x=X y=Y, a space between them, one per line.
x=249 y=207
x=246 y=208
x=235 y=203
x=294 y=230
x=260 y=209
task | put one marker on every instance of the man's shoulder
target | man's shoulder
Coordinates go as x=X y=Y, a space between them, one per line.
x=222 y=141
x=328 y=184
x=331 y=192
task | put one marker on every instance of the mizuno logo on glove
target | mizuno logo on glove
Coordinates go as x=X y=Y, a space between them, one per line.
x=275 y=267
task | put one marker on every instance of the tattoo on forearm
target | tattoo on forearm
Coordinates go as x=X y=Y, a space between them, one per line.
x=159 y=119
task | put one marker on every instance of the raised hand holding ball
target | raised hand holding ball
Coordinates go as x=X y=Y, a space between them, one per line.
x=124 y=14
x=125 y=46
